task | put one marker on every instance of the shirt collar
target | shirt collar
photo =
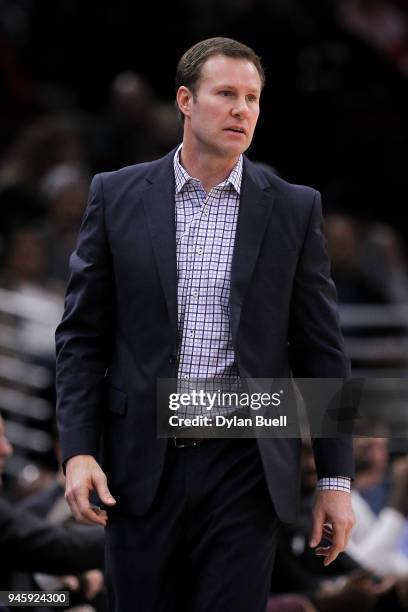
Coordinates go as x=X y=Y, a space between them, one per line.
x=182 y=177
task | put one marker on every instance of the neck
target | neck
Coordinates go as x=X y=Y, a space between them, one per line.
x=209 y=169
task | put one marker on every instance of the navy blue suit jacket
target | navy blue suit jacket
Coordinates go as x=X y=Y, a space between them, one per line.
x=119 y=332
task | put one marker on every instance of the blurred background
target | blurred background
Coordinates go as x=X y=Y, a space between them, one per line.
x=88 y=87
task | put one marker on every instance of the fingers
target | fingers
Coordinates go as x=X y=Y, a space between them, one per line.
x=322 y=551
x=317 y=531
x=349 y=524
x=102 y=489
x=327 y=535
x=82 y=510
x=89 y=513
x=338 y=542
x=70 y=497
x=334 y=507
x=338 y=536
x=83 y=476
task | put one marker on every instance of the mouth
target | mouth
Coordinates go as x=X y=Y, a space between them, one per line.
x=236 y=130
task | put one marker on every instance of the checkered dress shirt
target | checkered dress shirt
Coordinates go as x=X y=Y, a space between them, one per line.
x=205 y=235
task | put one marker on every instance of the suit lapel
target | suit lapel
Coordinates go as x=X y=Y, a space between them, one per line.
x=158 y=202
x=255 y=207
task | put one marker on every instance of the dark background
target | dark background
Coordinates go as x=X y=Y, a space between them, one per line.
x=334 y=112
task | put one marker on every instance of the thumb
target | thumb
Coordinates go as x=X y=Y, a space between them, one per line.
x=102 y=490
x=317 y=530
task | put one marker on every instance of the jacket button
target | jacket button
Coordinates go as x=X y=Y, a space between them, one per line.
x=173 y=360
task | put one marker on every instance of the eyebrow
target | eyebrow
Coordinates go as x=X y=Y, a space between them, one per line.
x=226 y=86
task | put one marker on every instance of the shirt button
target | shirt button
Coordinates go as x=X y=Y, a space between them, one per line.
x=199 y=250
x=194 y=293
x=205 y=214
x=190 y=333
x=185 y=376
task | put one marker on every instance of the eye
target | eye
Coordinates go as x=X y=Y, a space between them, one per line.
x=252 y=98
x=226 y=92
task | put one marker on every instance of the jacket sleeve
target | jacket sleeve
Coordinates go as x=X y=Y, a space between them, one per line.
x=84 y=337
x=28 y=543
x=316 y=344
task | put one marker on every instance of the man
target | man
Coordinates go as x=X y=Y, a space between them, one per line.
x=198 y=265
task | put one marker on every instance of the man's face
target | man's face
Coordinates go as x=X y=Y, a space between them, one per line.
x=5 y=447
x=222 y=115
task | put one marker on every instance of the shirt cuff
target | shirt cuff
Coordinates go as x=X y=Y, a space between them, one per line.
x=335 y=483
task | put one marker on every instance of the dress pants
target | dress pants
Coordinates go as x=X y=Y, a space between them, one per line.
x=207 y=543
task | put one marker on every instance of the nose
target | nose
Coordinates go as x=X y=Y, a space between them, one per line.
x=240 y=108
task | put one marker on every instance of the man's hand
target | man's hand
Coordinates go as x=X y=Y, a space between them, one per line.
x=333 y=518
x=83 y=475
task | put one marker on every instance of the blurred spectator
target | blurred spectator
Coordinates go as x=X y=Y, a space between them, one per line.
x=384 y=261
x=47 y=142
x=382 y=23
x=132 y=97
x=50 y=504
x=65 y=189
x=167 y=132
x=380 y=525
x=345 y=251
x=25 y=261
x=25 y=267
x=135 y=128
x=372 y=463
x=130 y=118
x=32 y=544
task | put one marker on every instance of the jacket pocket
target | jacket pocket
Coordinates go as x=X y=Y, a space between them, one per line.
x=117 y=401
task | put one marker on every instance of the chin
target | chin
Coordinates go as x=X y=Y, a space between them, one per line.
x=233 y=151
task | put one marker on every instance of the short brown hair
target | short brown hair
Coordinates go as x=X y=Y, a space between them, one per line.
x=189 y=67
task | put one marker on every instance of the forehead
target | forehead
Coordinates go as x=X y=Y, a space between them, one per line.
x=235 y=72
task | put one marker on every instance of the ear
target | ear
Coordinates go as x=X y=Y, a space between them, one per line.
x=184 y=99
